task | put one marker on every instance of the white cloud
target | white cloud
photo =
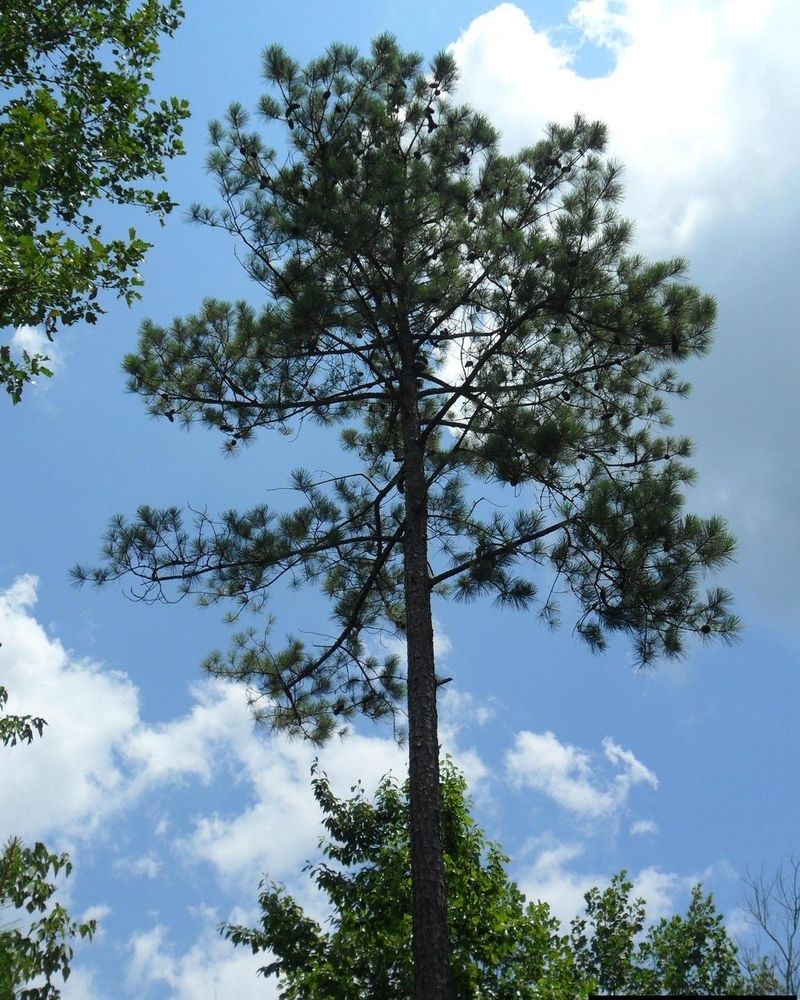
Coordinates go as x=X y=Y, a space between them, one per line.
x=460 y=708
x=549 y=879
x=80 y=985
x=241 y=847
x=34 y=340
x=571 y=777
x=642 y=826
x=188 y=747
x=99 y=912
x=149 y=962
x=99 y=757
x=739 y=924
x=697 y=99
x=458 y=712
x=552 y=878
x=661 y=891
x=73 y=776
x=210 y=968
x=162 y=827
x=632 y=771
x=145 y=866
x=442 y=645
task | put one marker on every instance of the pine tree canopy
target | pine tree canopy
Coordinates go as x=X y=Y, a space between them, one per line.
x=431 y=297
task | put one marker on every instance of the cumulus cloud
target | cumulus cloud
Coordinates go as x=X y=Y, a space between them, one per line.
x=145 y=866
x=572 y=777
x=662 y=890
x=149 y=961
x=551 y=879
x=690 y=99
x=99 y=757
x=74 y=775
x=188 y=747
x=118 y=760
x=553 y=876
x=642 y=826
x=459 y=713
x=98 y=912
x=242 y=846
x=459 y=709
x=739 y=924
x=31 y=339
x=211 y=967
x=81 y=985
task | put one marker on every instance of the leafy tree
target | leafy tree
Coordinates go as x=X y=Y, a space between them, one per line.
x=690 y=955
x=14 y=373
x=478 y=324
x=77 y=123
x=17 y=728
x=501 y=946
x=42 y=947
x=603 y=940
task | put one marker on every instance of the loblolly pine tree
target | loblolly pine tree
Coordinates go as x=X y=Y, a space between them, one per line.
x=471 y=318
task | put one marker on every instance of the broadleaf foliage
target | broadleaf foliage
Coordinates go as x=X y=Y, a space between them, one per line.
x=502 y=945
x=77 y=124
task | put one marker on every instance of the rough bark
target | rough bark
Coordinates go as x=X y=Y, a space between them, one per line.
x=432 y=977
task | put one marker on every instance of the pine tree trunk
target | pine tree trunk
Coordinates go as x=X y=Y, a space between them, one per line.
x=432 y=979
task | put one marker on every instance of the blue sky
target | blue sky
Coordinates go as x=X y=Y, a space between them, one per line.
x=151 y=775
